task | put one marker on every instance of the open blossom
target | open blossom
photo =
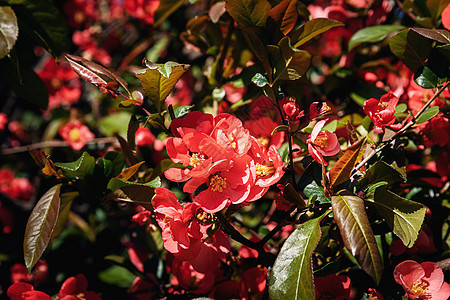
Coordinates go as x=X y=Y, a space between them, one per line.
x=23 y=290
x=75 y=287
x=382 y=111
x=422 y=281
x=76 y=134
x=322 y=143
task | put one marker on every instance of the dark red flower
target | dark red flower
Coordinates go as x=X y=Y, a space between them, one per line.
x=333 y=287
x=75 y=288
x=25 y=291
x=142 y=9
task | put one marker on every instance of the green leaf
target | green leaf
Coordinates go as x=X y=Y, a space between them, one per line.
x=290 y=63
x=291 y=276
x=79 y=168
x=404 y=217
x=117 y=276
x=118 y=161
x=64 y=210
x=182 y=111
x=426 y=78
x=9 y=30
x=256 y=38
x=24 y=82
x=428 y=114
x=372 y=34
x=128 y=172
x=139 y=194
x=165 y=9
x=117 y=183
x=313 y=189
x=351 y=218
x=313 y=28
x=342 y=169
x=40 y=226
x=248 y=13
x=381 y=171
x=411 y=48
x=285 y=15
x=158 y=80
x=43 y=22
x=260 y=80
x=115 y=123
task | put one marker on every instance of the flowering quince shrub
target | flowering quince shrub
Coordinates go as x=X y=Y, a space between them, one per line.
x=238 y=149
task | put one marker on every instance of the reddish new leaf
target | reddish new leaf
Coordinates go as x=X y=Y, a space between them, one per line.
x=40 y=225
x=351 y=218
x=86 y=74
x=248 y=13
x=128 y=172
x=285 y=14
x=342 y=169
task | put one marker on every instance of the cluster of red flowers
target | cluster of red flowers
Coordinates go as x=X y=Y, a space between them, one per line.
x=15 y=187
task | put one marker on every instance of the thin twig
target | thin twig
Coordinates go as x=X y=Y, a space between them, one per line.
x=54 y=144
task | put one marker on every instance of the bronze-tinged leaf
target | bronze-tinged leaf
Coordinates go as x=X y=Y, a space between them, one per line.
x=158 y=80
x=342 y=169
x=292 y=63
x=64 y=210
x=285 y=14
x=313 y=28
x=440 y=35
x=129 y=156
x=128 y=172
x=40 y=226
x=87 y=74
x=351 y=218
x=248 y=13
x=138 y=194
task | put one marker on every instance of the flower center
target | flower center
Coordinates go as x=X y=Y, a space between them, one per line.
x=81 y=296
x=419 y=288
x=217 y=183
x=167 y=220
x=203 y=217
x=264 y=170
x=75 y=135
x=382 y=105
x=196 y=160
x=55 y=83
x=321 y=140
x=264 y=141
x=233 y=143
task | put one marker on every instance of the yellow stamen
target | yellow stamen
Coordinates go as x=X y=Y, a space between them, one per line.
x=55 y=83
x=196 y=160
x=167 y=220
x=233 y=144
x=264 y=170
x=81 y=296
x=383 y=105
x=217 y=183
x=75 y=135
x=419 y=288
x=321 y=140
x=264 y=141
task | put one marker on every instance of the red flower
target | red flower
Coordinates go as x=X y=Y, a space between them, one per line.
x=144 y=137
x=234 y=93
x=88 y=45
x=293 y=114
x=435 y=132
x=3 y=121
x=262 y=130
x=25 y=291
x=322 y=143
x=381 y=112
x=422 y=281
x=63 y=85
x=142 y=9
x=189 y=279
x=76 y=134
x=75 y=288
x=333 y=287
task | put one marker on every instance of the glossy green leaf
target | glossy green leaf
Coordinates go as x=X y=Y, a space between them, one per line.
x=79 y=168
x=41 y=21
x=428 y=114
x=9 y=30
x=285 y=15
x=372 y=34
x=165 y=9
x=40 y=226
x=64 y=210
x=117 y=276
x=291 y=276
x=411 y=48
x=158 y=80
x=314 y=190
x=426 y=78
x=182 y=111
x=313 y=28
x=260 y=80
x=404 y=217
x=117 y=183
x=350 y=216
x=381 y=171
x=342 y=169
x=248 y=13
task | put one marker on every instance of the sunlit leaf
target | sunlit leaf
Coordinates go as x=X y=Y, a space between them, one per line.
x=117 y=276
x=291 y=276
x=133 y=126
x=350 y=216
x=9 y=30
x=381 y=171
x=404 y=217
x=342 y=169
x=313 y=28
x=428 y=114
x=314 y=190
x=158 y=80
x=260 y=80
x=285 y=15
x=248 y=13
x=372 y=34
x=40 y=226
x=128 y=172
x=411 y=48
x=115 y=123
x=290 y=63
x=79 y=168
x=64 y=210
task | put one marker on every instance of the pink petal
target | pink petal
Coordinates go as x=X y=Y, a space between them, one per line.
x=316 y=155
x=433 y=275
x=317 y=128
